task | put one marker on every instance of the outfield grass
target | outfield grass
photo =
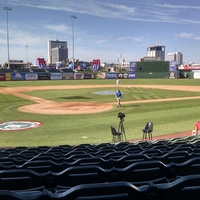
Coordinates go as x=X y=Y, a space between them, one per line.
x=168 y=117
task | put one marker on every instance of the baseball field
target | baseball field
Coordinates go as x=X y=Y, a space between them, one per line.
x=82 y=111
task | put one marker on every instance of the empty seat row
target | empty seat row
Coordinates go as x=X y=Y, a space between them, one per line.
x=45 y=160
x=96 y=149
x=138 y=173
x=183 y=188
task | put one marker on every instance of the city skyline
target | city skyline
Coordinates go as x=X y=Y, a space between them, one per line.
x=107 y=30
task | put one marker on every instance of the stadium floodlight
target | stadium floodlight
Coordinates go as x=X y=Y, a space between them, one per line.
x=7 y=9
x=73 y=17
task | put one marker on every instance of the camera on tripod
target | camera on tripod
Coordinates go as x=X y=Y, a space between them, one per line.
x=121 y=115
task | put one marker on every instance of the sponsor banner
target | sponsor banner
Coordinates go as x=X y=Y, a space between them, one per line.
x=186 y=67
x=196 y=75
x=31 y=76
x=43 y=76
x=131 y=75
x=172 y=66
x=8 y=77
x=68 y=76
x=41 y=63
x=78 y=76
x=95 y=64
x=172 y=74
x=101 y=75
x=2 y=77
x=195 y=70
x=18 y=76
x=133 y=66
x=111 y=75
x=56 y=76
x=122 y=75
x=88 y=76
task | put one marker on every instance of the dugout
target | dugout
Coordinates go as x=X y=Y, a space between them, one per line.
x=152 y=69
x=189 y=71
x=185 y=74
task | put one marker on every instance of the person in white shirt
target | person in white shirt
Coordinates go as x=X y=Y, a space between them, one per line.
x=117 y=83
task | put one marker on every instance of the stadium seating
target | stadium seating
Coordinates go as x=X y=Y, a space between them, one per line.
x=24 y=70
x=147 y=169
x=54 y=70
x=67 y=70
x=6 y=70
x=37 y=70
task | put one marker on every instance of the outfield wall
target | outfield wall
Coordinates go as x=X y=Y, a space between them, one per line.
x=31 y=76
x=146 y=69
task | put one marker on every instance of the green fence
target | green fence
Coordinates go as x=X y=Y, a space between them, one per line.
x=153 y=66
x=152 y=75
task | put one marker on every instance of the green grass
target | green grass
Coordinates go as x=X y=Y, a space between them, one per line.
x=88 y=95
x=101 y=82
x=168 y=117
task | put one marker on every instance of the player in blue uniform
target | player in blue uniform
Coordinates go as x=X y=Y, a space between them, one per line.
x=118 y=97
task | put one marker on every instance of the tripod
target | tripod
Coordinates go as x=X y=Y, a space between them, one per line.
x=121 y=129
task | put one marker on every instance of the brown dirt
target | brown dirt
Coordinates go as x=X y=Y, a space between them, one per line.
x=43 y=106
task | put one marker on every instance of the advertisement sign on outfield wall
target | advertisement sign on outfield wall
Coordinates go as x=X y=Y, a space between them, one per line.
x=122 y=75
x=8 y=76
x=196 y=75
x=172 y=74
x=43 y=76
x=88 y=76
x=131 y=75
x=133 y=66
x=100 y=75
x=18 y=76
x=111 y=75
x=2 y=77
x=31 y=76
x=78 y=76
x=68 y=76
x=172 y=66
x=56 y=76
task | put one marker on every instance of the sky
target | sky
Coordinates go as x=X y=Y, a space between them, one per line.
x=109 y=30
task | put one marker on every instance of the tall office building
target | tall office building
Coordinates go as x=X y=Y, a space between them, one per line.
x=59 y=54
x=57 y=51
x=156 y=52
x=175 y=56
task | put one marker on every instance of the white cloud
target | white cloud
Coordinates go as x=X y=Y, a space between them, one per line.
x=61 y=28
x=149 y=11
x=129 y=38
x=184 y=35
x=92 y=40
x=197 y=37
x=180 y=6
x=188 y=36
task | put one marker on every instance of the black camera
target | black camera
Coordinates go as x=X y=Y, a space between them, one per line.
x=121 y=115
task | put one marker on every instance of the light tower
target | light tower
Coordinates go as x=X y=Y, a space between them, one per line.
x=73 y=17
x=7 y=9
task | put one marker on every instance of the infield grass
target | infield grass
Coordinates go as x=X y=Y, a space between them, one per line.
x=168 y=117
